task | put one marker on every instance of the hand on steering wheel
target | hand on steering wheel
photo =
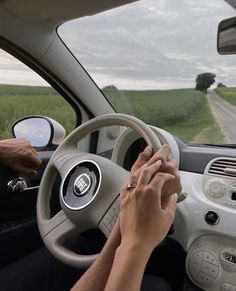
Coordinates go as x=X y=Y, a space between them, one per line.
x=89 y=189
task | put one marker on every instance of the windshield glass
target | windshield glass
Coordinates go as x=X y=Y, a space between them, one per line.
x=157 y=60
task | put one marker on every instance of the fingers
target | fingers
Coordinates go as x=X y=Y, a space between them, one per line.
x=142 y=159
x=147 y=173
x=146 y=167
x=145 y=159
x=31 y=160
x=144 y=174
x=25 y=170
x=160 y=179
x=163 y=154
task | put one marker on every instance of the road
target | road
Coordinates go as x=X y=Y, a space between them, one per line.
x=225 y=114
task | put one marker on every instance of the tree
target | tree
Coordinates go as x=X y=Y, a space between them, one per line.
x=110 y=87
x=221 y=85
x=204 y=81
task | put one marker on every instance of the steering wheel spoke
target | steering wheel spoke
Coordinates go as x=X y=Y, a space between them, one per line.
x=60 y=231
x=49 y=225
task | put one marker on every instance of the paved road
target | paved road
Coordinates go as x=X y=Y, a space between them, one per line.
x=225 y=114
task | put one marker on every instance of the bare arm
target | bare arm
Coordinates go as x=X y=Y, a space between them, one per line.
x=19 y=155
x=96 y=276
x=144 y=223
x=120 y=265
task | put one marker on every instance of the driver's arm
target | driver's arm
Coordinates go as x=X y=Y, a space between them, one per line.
x=144 y=223
x=19 y=155
x=96 y=276
x=106 y=271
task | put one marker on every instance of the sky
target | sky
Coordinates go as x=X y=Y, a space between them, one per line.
x=149 y=44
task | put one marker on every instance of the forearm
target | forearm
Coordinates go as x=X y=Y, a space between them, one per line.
x=97 y=275
x=1 y=149
x=128 y=268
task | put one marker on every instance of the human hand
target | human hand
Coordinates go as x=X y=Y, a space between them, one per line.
x=168 y=165
x=148 y=210
x=19 y=155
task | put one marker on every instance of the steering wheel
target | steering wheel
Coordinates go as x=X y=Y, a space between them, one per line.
x=89 y=189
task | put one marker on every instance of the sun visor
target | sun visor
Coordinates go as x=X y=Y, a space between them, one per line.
x=59 y=10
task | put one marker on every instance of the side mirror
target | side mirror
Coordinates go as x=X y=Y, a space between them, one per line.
x=226 y=37
x=40 y=131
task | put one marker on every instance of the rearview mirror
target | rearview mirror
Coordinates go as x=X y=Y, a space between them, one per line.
x=226 y=37
x=40 y=131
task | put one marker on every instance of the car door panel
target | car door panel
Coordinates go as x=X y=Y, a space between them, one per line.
x=18 y=227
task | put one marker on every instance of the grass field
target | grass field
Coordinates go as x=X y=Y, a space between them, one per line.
x=183 y=112
x=19 y=101
x=228 y=94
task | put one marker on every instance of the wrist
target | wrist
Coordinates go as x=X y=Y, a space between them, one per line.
x=136 y=249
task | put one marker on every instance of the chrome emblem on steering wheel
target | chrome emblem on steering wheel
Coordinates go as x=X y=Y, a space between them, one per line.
x=82 y=184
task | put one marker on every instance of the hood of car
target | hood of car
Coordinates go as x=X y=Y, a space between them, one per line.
x=59 y=10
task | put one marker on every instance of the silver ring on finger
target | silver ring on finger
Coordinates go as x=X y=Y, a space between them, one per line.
x=131 y=186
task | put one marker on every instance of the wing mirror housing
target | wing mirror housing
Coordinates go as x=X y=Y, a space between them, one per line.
x=41 y=131
x=226 y=36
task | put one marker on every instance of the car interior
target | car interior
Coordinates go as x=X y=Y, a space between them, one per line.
x=89 y=84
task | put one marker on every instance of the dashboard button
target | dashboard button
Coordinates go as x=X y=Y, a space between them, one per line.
x=208 y=257
x=212 y=217
x=204 y=279
x=196 y=263
x=233 y=185
x=210 y=269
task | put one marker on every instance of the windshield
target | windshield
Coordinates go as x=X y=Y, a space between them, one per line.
x=157 y=60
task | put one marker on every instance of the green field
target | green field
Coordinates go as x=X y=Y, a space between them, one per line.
x=228 y=94
x=183 y=112
x=19 y=101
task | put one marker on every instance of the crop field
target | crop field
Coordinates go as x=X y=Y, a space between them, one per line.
x=160 y=108
x=19 y=101
x=228 y=94
x=183 y=112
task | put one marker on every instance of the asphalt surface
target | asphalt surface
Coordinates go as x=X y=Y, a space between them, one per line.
x=225 y=114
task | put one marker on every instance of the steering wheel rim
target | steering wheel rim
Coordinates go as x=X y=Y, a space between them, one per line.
x=55 y=230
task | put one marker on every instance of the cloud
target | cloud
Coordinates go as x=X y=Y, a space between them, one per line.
x=149 y=44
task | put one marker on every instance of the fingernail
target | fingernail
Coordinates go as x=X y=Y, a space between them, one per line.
x=35 y=173
x=158 y=163
x=148 y=149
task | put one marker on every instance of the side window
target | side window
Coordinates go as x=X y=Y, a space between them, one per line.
x=24 y=93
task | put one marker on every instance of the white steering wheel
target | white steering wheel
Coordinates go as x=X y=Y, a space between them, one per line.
x=89 y=189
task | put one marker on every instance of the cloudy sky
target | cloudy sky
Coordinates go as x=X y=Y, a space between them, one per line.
x=150 y=44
